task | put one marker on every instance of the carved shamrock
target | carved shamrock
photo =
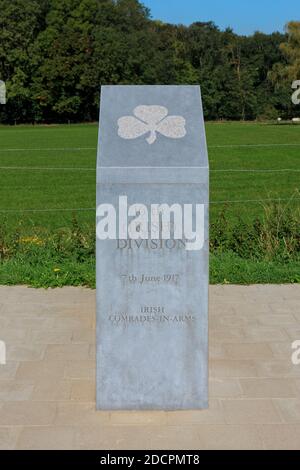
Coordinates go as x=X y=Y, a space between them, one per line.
x=151 y=119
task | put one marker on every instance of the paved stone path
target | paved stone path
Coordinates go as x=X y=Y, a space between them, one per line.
x=47 y=387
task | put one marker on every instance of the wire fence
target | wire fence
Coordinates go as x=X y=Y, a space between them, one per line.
x=222 y=170
x=79 y=149
x=84 y=209
x=40 y=168
x=49 y=149
x=88 y=169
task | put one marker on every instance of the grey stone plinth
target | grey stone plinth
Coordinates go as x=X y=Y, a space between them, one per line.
x=152 y=293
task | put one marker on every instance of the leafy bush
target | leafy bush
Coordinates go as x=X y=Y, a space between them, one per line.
x=275 y=236
x=262 y=250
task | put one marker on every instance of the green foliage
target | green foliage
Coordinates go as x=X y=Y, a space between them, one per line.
x=55 y=54
x=229 y=268
x=274 y=237
x=266 y=250
x=43 y=259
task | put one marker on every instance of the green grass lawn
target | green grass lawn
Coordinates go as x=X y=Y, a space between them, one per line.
x=30 y=180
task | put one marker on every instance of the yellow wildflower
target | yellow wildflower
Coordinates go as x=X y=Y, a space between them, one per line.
x=34 y=240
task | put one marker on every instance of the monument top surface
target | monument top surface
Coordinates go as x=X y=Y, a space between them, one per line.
x=153 y=127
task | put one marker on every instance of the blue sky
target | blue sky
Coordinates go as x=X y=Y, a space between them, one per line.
x=244 y=16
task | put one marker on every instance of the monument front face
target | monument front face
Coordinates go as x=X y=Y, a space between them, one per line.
x=152 y=249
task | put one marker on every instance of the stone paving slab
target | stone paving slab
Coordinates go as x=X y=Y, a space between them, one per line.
x=47 y=387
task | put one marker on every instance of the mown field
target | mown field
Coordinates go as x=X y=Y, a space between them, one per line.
x=47 y=186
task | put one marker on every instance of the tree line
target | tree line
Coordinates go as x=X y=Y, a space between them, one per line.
x=55 y=54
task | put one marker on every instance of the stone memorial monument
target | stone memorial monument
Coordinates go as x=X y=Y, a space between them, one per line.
x=152 y=249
